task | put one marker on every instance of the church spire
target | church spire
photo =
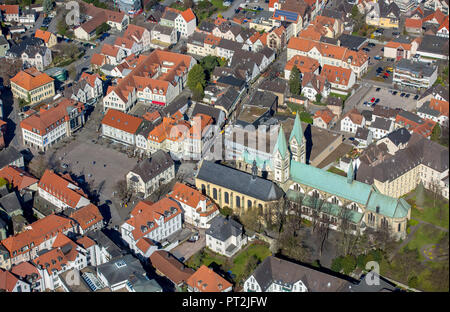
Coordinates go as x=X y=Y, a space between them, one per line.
x=297 y=130
x=350 y=173
x=281 y=144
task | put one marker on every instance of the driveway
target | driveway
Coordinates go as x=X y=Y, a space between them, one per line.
x=188 y=249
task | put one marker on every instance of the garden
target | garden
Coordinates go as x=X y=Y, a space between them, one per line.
x=239 y=267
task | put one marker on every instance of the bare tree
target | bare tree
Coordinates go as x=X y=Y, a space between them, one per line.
x=436 y=192
x=122 y=189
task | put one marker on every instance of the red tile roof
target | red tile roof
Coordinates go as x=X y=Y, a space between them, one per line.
x=396 y=45
x=206 y=280
x=441 y=106
x=31 y=78
x=145 y=214
x=52 y=117
x=19 y=178
x=170 y=267
x=25 y=269
x=87 y=216
x=337 y=75
x=326 y=115
x=437 y=15
x=151 y=116
x=110 y=50
x=10 y=9
x=85 y=242
x=66 y=191
x=354 y=116
x=122 y=121
x=192 y=197
x=98 y=59
x=303 y=63
x=43 y=34
x=90 y=78
x=413 y=23
x=7 y=280
x=41 y=230
x=188 y=15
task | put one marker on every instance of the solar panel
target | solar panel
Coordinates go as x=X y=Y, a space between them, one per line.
x=289 y=15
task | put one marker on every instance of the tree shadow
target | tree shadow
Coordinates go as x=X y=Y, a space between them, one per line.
x=309 y=142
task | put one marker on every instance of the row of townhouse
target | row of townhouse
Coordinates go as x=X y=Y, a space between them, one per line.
x=87 y=90
x=435 y=22
x=173 y=134
x=41 y=130
x=13 y=13
x=329 y=54
x=157 y=78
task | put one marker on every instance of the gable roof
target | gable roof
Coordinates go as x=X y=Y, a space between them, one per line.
x=151 y=167
x=122 y=121
x=31 y=78
x=170 y=267
x=188 y=15
x=206 y=280
x=7 y=280
x=43 y=34
x=239 y=181
x=87 y=216
x=354 y=116
x=19 y=178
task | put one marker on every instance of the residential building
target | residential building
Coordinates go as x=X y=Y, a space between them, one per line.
x=163 y=36
x=49 y=38
x=206 y=280
x=383 y=14
x=130 y=7
x=324 y=119
x=167 y=265
x=303 y=63
x=4 y=46
x=151 y=222
x=10 y=283
x=381 y=127
x=139 y=35
x=150 y=174
x=40 y=235
x=330 y=54
x=32 y=86
x=435 y=110
x=401 y=48
x=414 y=123
x=352 y=121
x=435 y=5
x=29 y=274
x=117 y=274
x=88 y=219
x=278 y=275
x=19 y=179
x=225 y=236
x=102 y=250
x=364 y=137
x=10 y=12
x=414 y=74
x=314 y=85
x=413 y=26
x=198 y=209
x=61 y=191
x=51 y=124
x=185 y=23
x=433 y=47
x=341 y=79
x=158 y=78
x=88 y=89
x=10 y=156
x=120 y=127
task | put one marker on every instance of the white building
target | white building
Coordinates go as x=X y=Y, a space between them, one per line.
x=352 y=121
x=381 y=127
x=120 y=127
x=185 y=23
x=198 y=209
x=225 y=236
x=37 y=56
x=152 y=222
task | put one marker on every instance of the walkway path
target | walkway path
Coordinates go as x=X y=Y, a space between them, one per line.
x=407 y=240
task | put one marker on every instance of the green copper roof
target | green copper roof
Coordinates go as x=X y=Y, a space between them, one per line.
x=389 y=206
x=329 y=208
x=356 y=191
x=281 y=144
x=297 y=130
x=329 y=182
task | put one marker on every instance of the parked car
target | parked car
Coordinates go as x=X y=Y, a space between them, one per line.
x=377 y=100
x=416 y=97
x=408 y=95
x=394 y=93
x=371 y=44
x=377 y=57
x=402 y=95
x=366 y=49
x=379 y=69
x=377 y=89
x=395 y=33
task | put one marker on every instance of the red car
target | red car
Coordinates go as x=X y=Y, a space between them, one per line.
x=372 y=100
x=386 y=74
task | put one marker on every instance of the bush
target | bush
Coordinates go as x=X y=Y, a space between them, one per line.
x=413 y=281
x=413 y=222
x=361 y=261
x=226 y=211
x=349 y=264
x=336 y=264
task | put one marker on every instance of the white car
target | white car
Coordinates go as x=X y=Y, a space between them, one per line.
x=226 y=3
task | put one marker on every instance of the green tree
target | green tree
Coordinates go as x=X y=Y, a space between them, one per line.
x=226 y=211
x=197 y=92
x=336 y=264
x=47 y=6
x=349 y=264
x=62 y=27
x=102 y=28
x=295 y=84
x=436 y=133
x=318 y=97
x=413 y=281
x=420 y=195
x=209 y=63
x=196 y=76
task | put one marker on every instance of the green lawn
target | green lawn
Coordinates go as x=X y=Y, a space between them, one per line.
x=342 y=97
x=240 y=261
x=425 y=235
x=205 y=257
x=337 y=171
x=219 y=5
x=437 y=214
